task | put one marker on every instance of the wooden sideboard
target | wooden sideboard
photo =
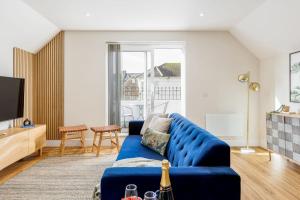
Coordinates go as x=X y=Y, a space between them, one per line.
x=17 y=143
x=283 y=135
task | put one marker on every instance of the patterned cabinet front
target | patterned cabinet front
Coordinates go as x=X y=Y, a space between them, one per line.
x=275 y=133
x=283 y=135
x=292 y=130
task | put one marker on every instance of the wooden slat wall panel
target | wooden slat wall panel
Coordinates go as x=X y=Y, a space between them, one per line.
x=23 y=65
x=49 y=86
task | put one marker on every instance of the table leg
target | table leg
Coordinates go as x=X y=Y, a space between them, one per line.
x=117 y=140
x=41 y=151
x=62 y=145
x=270 y=156
x=99 y=145
x=94 y=141
x=111 y=140
x=83 y=140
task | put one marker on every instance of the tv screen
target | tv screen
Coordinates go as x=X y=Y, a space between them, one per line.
x=11 y=98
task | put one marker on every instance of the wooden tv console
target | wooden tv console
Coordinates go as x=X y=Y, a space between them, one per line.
x=17 y=143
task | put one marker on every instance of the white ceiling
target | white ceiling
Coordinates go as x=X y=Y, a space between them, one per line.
x=144 y=14
x=265 y=27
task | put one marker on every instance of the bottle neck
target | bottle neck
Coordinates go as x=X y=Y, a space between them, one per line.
x=165 y=178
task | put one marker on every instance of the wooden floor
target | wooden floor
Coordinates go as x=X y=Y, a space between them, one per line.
x=278 y=179
x=261 y=179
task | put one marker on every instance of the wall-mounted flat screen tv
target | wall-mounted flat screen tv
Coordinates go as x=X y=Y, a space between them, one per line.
x=11 y=98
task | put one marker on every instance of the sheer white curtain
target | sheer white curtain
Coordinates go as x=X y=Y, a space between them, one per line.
x=114 y=83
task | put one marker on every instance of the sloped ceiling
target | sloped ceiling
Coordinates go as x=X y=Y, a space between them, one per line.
x=271 y=29
x=265 y=27
x=23 y=27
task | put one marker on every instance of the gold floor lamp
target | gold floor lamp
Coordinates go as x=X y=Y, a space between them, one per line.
x=251 y=86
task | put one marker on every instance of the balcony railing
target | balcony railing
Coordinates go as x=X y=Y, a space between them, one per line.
x=160 y=93
x=167 y=93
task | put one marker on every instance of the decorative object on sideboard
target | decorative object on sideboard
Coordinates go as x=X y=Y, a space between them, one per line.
x=27 y=124
x=282 y=108
x=295 y=77
x=286 y=109
x=251 y=86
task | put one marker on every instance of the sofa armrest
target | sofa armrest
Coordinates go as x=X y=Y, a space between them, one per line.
x=135 y=127
x=206 y=183
x=215 y=153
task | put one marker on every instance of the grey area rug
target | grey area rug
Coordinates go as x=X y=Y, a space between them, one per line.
x=71 y=177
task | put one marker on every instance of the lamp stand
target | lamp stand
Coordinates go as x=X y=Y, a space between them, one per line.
x=247 y=149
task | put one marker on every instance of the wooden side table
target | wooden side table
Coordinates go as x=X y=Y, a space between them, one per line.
x=71 y=133
x=100 y=131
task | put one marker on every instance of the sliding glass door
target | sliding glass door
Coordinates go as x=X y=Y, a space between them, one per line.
x=164 y=81
x=151 y=81
x=133 y=66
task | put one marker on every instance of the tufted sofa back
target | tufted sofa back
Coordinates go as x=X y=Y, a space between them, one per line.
x=191 y=145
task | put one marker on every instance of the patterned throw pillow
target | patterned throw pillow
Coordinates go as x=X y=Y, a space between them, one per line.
x=155 y=140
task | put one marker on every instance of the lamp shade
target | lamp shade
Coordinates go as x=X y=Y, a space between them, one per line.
x=243 y=77
x=255 y=86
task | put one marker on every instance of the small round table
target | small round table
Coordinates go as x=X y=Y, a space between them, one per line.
x=100 y=131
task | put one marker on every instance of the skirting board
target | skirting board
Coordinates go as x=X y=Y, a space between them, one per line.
x=72 y=143
x=240 y=142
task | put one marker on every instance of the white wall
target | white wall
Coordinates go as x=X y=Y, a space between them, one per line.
x=213 y=60
x=274 y=77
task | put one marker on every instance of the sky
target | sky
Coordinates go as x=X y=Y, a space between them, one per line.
x=134 y=62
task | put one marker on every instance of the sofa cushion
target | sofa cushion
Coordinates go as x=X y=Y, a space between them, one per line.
x=155 y=140
x=160 y=124
x=191 y=145
x=133 y=148
x=149 y=119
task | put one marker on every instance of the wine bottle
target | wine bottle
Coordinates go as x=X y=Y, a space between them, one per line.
x=165 y=191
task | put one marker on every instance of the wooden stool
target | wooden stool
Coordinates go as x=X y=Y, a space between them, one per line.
x=71 y=133
x=106 y=129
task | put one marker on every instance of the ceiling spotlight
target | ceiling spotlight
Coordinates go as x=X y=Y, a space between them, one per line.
x=87 y=14
x=201 y=14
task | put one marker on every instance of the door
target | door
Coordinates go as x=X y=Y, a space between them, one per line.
x=164 y=89
x=151 y=82
x=133 y=66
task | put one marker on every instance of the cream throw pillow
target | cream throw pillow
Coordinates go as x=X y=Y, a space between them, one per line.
x=148 y=120
x=160 y=124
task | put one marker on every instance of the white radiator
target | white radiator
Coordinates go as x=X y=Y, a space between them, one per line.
x=225 y=124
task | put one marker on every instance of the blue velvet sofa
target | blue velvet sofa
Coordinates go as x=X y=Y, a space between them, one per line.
x=200 y=165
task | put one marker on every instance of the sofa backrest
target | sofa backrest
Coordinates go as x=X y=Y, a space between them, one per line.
x=191 y=145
